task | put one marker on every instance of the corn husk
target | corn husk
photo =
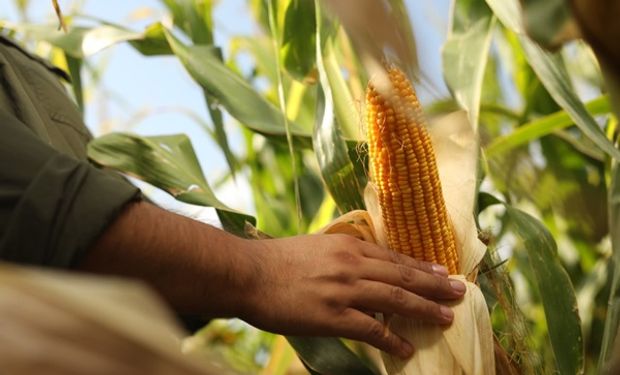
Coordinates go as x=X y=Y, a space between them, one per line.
x=466 y=346
x=58 y=323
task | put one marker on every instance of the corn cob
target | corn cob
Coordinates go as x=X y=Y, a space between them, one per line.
x=404 y=170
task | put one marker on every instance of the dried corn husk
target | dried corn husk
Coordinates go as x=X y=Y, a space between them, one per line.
x=58 y=323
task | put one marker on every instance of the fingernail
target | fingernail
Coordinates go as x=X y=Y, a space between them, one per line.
x=457 y=286
x=406 y=350
x=439 y=270
x=447 y=313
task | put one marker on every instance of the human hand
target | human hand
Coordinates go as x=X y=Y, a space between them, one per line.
x=329 y=285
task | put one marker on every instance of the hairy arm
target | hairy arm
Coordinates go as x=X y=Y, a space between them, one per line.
x=316 y=285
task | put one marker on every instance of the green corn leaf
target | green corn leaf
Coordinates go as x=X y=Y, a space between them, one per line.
x=542 y=126
x=466 y=52
x=329 y=356
x=80 y=42
x=551 y=71
x=330 y=148
x=232 y=92
x=297 y=50
x=556 y=290
x=169 y=163
x=613 y=313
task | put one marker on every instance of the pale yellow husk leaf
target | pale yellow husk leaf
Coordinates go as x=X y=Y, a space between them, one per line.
x=59 y=323
x=466 y=346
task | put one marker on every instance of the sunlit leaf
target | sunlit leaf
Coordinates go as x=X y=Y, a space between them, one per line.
x=332 y=154
x=153 y=41
x=233 y=93
x=346 y=109
x=281 y=357
x=509 y=13
x=75 y=72
x=330 y=148
x=194 y=18
x=556 y=290
x=466 y=51
x=167 y=162
x=80 y=42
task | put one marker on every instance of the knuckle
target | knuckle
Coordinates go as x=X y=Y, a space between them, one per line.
x=398 y=295
x=347 y=257
x=376 y=331
x=345 y=240
x=395 y=257
x=342 y=268
x=408 y=276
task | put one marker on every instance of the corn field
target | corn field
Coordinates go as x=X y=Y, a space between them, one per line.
x=284 y=106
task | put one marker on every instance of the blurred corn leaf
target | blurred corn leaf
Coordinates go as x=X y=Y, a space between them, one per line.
x=282 y=356
x=580 y=194
x=327 y=356
x=541 y=127
x=556 y=290
x=549 y=22
x=80 y=42
x=612 y=319
x=599 y=25
x=298 y=40
x=193 y=17
x=169 y=163
x=75 y=68
x=598 y=20
x=379 y=28
x=465 y=53
x=552 y=73
x=346 y=110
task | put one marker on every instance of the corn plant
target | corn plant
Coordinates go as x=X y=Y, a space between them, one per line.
x=541 y=102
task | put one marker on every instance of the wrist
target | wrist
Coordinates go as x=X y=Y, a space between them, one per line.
x=234 y=266
x=250 y=259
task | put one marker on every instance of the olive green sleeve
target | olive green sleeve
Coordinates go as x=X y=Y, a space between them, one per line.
x=52 y=206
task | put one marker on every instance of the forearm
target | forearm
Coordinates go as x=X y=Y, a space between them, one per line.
x=319 y=285
x=197 y=268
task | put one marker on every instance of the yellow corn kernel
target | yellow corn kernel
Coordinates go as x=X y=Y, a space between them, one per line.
x=403 y=167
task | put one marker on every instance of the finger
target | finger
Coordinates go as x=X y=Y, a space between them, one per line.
x=358 y=326
x=377 y=252
x=385 y=298
x=412 y=279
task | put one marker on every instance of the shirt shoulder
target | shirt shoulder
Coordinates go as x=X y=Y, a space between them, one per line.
x=49 y=66
x=32 y=91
